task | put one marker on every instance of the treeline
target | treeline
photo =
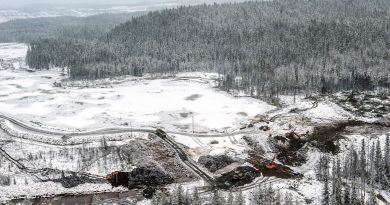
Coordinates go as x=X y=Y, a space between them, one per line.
x=355 y=178
x=92 y=27
x=264 y=194
x=262 y=48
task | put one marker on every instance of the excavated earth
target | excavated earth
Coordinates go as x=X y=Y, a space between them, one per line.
x=141 y=153
x=238 y=177
x=214 y=163
x=281 y=171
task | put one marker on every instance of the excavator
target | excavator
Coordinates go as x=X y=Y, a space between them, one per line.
x=272 y=164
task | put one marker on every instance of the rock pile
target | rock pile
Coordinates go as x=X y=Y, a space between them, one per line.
x=149 y=176
x=214 y=163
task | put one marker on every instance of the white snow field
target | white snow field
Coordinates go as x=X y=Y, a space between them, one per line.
x=169 y=103
x=12 y=50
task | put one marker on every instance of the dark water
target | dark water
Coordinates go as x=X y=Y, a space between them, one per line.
x=88 y=199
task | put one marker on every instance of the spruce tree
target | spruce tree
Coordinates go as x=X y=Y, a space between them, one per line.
x=378 y=162
x=179 y=195
x=347 y=197
x=288 y=199
x=239 y=199
x=326 y=194
x=196 y=199
x=387 y=155
x=230 y=199
x=216 y=199
x=363 y=162
x=354 y=194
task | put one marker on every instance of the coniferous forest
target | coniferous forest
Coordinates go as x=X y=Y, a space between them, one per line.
x=352 y=178
x=27 y=30
x=261 y=48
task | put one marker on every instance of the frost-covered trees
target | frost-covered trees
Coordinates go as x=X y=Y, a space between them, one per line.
x=239 y=199
x=261 y=48
x=178 y=197
x=230 y=199
x=196 y=198
x=322 y=169
x=264 y=194
x=26 y=30
x=355 y=176
x=159 y=198
x=387 y=155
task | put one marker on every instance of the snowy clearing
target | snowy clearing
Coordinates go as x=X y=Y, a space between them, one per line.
x=168 y=103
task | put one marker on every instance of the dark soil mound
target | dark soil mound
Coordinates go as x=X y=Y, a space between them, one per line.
x=149 y=176
x=213 y=163
x=238 y=177
x=148 y=192
x=326 y=137
x=292 y=155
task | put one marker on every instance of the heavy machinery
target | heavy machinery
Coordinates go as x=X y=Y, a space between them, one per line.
x=292 y=134
x=272 y=164
x=295 y=135
x=118 y=179
x=161 y=133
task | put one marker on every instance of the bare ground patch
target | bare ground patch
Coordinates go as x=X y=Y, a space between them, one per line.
x=193 y=97
x=244 y=114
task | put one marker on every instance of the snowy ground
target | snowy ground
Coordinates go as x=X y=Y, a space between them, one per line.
x=10 y=51
x=12 y=55
x=169 y=103
x=165 y=103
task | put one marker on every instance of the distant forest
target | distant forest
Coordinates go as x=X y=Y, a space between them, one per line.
x=263 y=48
x=88 y=28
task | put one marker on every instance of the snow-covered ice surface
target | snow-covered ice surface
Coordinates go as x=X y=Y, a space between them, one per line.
x=168 y=103
x=12 y=50
x=12 y=55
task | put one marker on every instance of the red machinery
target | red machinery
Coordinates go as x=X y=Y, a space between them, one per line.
x=272 y=164
x=292 y=134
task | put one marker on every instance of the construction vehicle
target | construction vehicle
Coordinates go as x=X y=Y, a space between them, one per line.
x=118 y=179
x=295 y=135
x=272 y=164
x=161 y=133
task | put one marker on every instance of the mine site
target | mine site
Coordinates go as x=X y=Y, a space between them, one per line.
x=124 y=139
x=180 y=103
